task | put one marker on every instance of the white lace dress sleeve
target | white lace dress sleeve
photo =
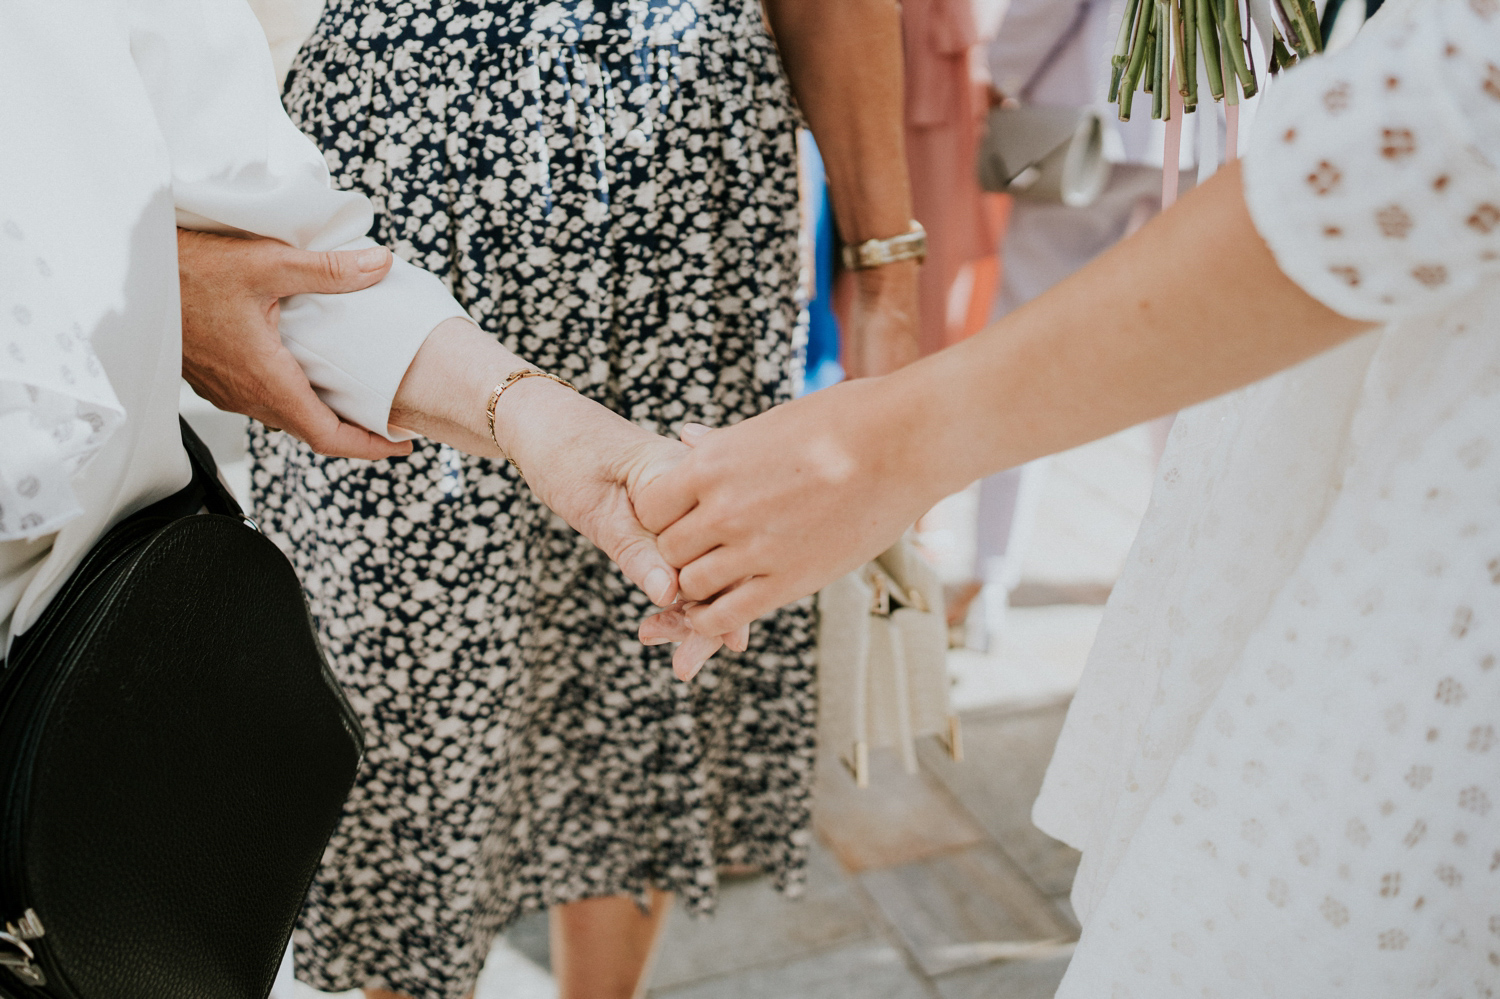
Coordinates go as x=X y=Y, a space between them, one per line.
x=1373 y=177
x=57 y=407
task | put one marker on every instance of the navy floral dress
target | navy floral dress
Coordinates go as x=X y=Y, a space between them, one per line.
x=610 y=188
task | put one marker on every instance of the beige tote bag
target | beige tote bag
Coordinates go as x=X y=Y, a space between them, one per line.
x=882 y=662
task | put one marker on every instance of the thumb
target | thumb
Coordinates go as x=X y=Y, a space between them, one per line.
x=326 y=272
x=633 y=549
x=692 y=433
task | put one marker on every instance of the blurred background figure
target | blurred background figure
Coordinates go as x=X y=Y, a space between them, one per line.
x=943 y=112
x=1055 y=53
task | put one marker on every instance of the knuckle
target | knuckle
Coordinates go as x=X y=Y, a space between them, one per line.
x=331 y=266
x=671 y=551
x=692 y=585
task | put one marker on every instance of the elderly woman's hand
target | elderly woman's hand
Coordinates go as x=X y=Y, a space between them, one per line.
x=584 y=461
x=587 y=463
x=232 y=352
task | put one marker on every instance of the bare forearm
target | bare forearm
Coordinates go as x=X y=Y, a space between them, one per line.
x=843 y=58
x=578 y=457
x=446 y=392
x=1192 y=306
x=776 y=507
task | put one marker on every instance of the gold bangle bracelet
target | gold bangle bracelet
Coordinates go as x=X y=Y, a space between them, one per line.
x=910 y=245
x=510 y=380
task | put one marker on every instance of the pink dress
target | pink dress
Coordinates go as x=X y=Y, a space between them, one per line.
x=942 y=134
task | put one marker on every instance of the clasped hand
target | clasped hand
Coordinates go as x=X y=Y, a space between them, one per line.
x=772 y=509
x=584 y=461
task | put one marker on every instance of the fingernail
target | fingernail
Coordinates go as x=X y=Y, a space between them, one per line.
x=649 y=642
x=695 y=431
x=372 y=259
x=658 y=586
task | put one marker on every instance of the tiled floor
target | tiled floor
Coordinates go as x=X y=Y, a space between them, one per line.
x=927 y=885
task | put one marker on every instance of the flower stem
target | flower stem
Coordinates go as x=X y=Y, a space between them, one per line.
x=1208 y=38
x=1139 y=50
x=1161 y=53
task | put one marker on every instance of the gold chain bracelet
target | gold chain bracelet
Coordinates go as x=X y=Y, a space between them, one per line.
x=510 y=380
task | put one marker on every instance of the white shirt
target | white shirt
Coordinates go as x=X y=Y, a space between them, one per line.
x=122 y=120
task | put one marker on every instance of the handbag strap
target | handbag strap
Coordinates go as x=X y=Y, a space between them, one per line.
x=211 y=492
x=1055 y=52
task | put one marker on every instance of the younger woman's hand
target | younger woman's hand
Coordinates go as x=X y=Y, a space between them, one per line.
x=772 y=509
x=672 y=625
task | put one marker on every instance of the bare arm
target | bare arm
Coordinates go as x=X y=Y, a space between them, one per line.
x=843 y=58
x=578 y=457
x=581 y=459
x=1190 y=307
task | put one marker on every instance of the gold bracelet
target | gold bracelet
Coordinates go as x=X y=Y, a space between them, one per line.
x=510 y=380
x=910 y=245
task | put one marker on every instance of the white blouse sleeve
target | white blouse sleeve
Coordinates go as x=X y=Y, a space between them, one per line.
x=57 y=407
x=239 y=165
x=1372 y=172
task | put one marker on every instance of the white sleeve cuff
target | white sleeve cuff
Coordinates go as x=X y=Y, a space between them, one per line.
x=356 y=348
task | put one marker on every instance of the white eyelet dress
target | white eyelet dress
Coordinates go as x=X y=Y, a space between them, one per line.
x=1283 y=763
x=610 y=188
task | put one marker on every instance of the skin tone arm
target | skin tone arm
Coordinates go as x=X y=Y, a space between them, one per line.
x=843 y=58
x=1190 y=307
x=580 y=459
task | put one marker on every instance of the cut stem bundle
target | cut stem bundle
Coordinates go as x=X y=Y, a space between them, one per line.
x=1158 y=37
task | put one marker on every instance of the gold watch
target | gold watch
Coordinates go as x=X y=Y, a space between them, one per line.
x=910 y=245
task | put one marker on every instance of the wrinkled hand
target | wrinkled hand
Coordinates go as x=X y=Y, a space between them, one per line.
x=775 y=508
x=232 y=354
x=587 y=463
x=881 y=320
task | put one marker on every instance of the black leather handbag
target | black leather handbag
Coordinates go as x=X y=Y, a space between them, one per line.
x=174 y=756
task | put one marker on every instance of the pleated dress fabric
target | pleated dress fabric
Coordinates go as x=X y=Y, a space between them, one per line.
x=610 y=188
